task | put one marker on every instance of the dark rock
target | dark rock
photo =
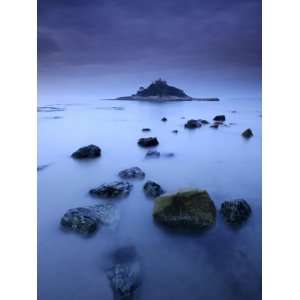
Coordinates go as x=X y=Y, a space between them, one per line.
x=86 y=220
x=148 y=142
x=132 y=173
x=247 y=133
x=220 y=118
x=152 y=189
x=164 y=119
x=152 y=154
x=115 y=189
x=90 y=151
x=146 y=129
x=125 y=274
x=191 y=124
x=185 y=209
x=175 y=131
x=204 y=122
x=169 y=154
x=235 y=211
x=215 y=125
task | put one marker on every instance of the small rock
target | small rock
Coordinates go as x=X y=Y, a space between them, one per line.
x=86 y=220
x=233 y=111
x=215 y=125
x=235 y=211
x=90 y=151
x=132 y=173
x=169 y=154
x=204 y=122
x=152 y=189
x=185 y=209
x=220 y=118
x=115 y=189
x=191 y=124
x=148 y=142
x=42 y=167
x=152 y=154
x=146 y=129
x=175 y=131
x=164 y=119
x=247 y=133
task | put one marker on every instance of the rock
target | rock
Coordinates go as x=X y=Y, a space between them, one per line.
x=90 y=151
x=148 y=142
x=247 y=133
x=215 y=125
x=152 y=189
x=115 y=189
x=191 y=124
x=164 y=119
x=125 y=274
x=132 y=173
x=175 y=131
x=86 y=220
x=204 y=122
x=233 y=111
x=152 y=154
x=235 y=211
x=185 y=209
x=42 y=167
x=146 y=129
x=220 y=118
x=169 y=154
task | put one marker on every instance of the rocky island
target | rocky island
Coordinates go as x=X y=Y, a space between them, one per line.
x=159 y=90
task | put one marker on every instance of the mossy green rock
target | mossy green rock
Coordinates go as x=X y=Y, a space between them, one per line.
x=185 y=209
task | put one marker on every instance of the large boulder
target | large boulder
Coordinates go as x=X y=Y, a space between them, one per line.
x=191 y=124
x=86 y=220
x=191 y=208
x=90 y=151
x=125 y=274
x=235 y=211
x=220 y=118
x=152 y=189
x=116 y=189
x=132 y=173
x=247 y=133
x=148 y=142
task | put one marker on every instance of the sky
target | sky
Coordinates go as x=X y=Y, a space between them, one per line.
x=109 y=48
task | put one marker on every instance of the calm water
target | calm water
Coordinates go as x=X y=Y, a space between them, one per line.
x=221 y=263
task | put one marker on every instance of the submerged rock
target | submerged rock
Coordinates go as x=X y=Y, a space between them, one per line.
x=115 y=189
x=247 y=133
x=235 y=211
x=152 y=189
x=86 y=220
x=185 y=209
x=220 y=118
x=90 y=151
x=204 y=122
x=146 y=129
x=164 y=119
x=42 y=167
x=168 y=154
x=132 y=173
x=215 y=125
x=125 y=274
x=152 y=154
x=175 y=131
x=191 y=124
x=148 y=142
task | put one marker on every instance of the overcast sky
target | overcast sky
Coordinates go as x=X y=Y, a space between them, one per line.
x=108 y=48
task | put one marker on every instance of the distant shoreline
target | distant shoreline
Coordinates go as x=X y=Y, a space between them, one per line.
x=163 y=99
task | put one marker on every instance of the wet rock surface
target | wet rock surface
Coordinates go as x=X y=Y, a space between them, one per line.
x=187 y=209
x=236 y=211
x=116 y=189
x=132 y=173
x=148 y=142
x=125 y=274
x=191 y=124
x=90 y=151
x=220 y=118
x=247 y=133
x=152 y=189
x=86 y=220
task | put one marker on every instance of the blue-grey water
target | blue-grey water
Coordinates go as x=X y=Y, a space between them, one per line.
x=222 y=263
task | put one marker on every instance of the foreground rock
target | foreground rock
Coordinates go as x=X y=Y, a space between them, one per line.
x=152 y=189
x=152 y=154
x=235 y=211
x=185 y=209
x=220 y=118
x=115 y=189
x=148 y=142
x=86 y=220
x=132 y=173
x=125 y=274
x=90 y=151
x=191 y=124
x=247 y=133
